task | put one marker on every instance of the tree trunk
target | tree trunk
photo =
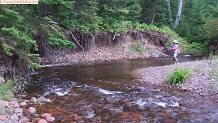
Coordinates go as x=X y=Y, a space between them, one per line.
x=170 y=12
x=178 y=14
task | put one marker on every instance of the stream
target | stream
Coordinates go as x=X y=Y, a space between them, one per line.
x=108 y=92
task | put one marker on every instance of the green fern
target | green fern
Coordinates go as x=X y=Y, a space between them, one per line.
x=57 y=40
x=7 y=49
x=11 y=32
x=33 y=66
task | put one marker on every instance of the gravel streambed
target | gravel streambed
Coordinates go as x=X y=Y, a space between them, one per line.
x=16 y=111
x=204 y=81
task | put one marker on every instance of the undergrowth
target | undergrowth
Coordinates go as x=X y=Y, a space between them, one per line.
x=5 y=92
x=137 y=47
x=13 y=85
x=213 y=74
x=178 y=76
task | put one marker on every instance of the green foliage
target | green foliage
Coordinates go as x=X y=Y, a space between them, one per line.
x=57 y=40
x=10 y=17
x=33 y=66
x=11 y=32
x=34 y=63
x=178 y=76
x=213 y=74
x=5 y=92
x=87 y=16
x=7 y=49
x=195 y=48
x=122 y=27
x=16 y=36
x=61 y=11
x=184 y=45
x=137 y=47
x=197 y=20
x=154 y=12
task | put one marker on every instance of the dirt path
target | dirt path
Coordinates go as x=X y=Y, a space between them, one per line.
x=204 y=81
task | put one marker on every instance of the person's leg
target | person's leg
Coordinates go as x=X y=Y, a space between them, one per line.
x=175 y=57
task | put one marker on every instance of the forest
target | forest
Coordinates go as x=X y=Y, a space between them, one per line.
x=194 y=22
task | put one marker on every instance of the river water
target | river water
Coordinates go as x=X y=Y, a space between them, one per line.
x=108 y=92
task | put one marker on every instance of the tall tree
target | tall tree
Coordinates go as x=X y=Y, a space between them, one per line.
x=170 y=12
x=178 y=14
x=88 y=18
x=154 y=12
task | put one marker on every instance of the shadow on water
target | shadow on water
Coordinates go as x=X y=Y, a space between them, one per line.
x=107 y=92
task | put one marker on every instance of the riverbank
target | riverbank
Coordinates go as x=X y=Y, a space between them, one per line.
x=124 y=51
x=204 y=80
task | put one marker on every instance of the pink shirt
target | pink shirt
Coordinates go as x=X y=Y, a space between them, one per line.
x=175 y=47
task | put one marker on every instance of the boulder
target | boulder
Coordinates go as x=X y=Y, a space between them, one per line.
x=42 y=121
x=155 y=55
x=42 y=99
x=18 y=110
x=23 y=104
x=33 y=100
x=2 y=117
x=2 y=80
x=50 y=119
x=32 y=110
x=14 y=104
x=2 y=110
x=45 y=115
x=24 y=119
x=14 y=117
x=4 y=103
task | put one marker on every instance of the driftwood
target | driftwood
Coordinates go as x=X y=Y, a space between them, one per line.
x=77 y=41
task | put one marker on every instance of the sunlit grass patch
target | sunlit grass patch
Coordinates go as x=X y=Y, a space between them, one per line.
x=137 y=47
x=178 y=76
x=5 y=92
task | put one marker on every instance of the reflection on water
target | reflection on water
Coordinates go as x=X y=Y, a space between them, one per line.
x=107 y=92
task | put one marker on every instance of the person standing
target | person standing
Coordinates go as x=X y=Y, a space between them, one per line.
x=175 y=50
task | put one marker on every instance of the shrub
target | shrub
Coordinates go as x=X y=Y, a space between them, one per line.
x=213 y=73
x=178 y=76
x=5 y=92
x=196 y=48
x=137 y=47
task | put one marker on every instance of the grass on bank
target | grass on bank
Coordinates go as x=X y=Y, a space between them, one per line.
x=137 y=47
x=213 y=63
x=5 y=92
x=178 y=76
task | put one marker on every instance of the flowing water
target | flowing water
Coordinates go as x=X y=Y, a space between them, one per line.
x=109 y=93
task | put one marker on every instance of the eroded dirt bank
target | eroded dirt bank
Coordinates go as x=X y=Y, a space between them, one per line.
x=104 y=46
